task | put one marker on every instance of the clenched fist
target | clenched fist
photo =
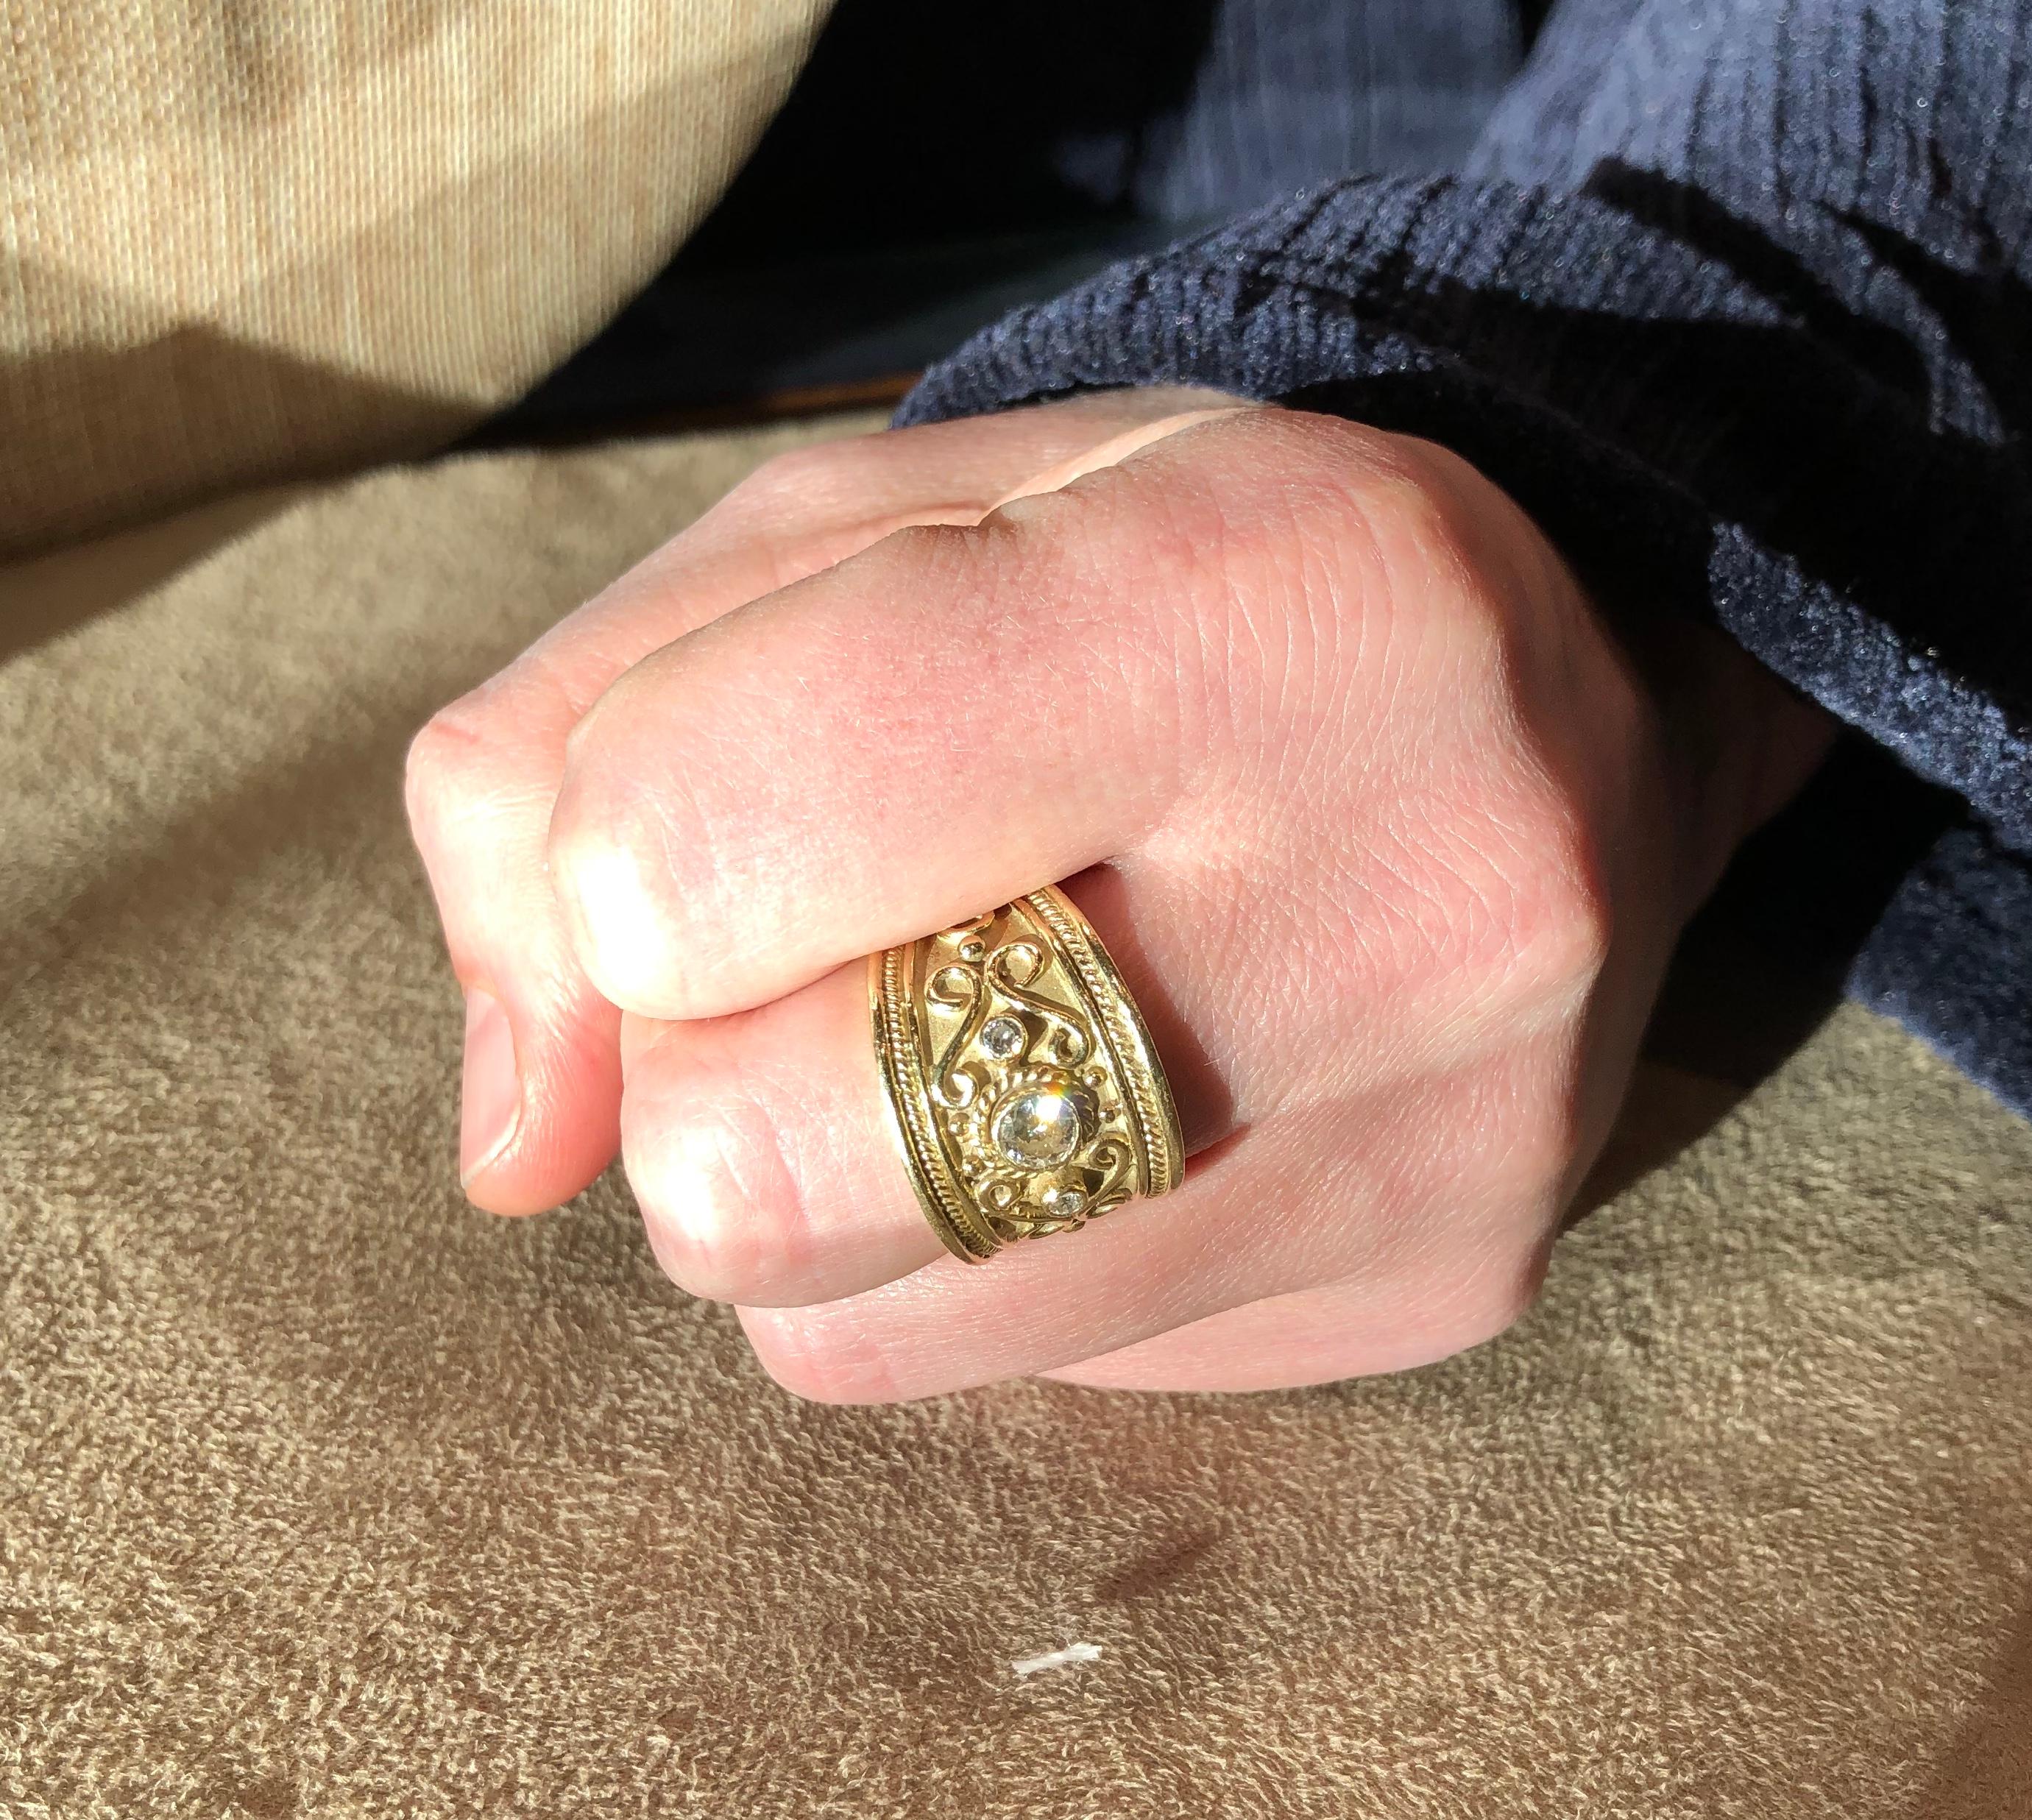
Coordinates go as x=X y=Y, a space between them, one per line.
x=1391 y=837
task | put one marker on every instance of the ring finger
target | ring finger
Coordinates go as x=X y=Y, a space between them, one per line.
x=761 y=1154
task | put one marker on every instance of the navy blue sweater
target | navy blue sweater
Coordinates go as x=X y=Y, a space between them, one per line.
x=1732 y=295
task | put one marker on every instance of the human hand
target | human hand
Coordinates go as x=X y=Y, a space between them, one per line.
x=1390 y=837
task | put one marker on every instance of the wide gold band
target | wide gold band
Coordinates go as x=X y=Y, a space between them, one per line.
x=1025 y=1093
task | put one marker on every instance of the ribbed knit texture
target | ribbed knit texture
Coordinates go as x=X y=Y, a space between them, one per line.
x=1734 y=296
x=1282 y=94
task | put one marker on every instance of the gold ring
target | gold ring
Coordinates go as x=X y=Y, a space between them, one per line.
x=1025 y=1092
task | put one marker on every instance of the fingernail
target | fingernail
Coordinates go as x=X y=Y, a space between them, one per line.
x=492 y=1104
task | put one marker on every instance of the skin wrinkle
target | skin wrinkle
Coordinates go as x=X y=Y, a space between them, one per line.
x=1174 y=531
x=1552 y=897
x=1301 y=505
x=1392 y=1129
x=1267 y=788
x=1294 y=607
x=1275 y=941
x=1152 y=736
x=1141 y=570
x=1414 y=914
x=730 y=1159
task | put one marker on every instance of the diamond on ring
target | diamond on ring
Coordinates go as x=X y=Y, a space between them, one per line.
x=1003 y=1037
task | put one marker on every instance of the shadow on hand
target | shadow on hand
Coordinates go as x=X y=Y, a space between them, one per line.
x=1763 y=962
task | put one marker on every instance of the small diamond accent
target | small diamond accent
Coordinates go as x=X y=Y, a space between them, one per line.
x=1065 y=1203
x=1001 y=1037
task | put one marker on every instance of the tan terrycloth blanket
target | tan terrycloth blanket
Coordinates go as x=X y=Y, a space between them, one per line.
x=324 y=1495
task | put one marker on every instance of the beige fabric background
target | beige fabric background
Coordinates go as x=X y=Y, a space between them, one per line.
x=250 y=241
x=322 y=1495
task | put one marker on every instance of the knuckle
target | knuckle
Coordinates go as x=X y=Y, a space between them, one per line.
x=1336 y=518
x=1519 y=1163
x=1389 y=478
x=494 y=751
x=1517 y=907
x=719 y=1201
x=1560 y=921
x=1408 y=511
x=612 y=862
x=1495 y=1299
x=819 y=1355
x=442 y=770
x=1430 y=556
x=926 y=553
x=1461 y=1296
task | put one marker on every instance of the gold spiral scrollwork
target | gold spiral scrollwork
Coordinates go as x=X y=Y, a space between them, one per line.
x=957 y=985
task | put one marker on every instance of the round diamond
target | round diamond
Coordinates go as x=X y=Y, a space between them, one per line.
x=1065 y=1203
x=1001 y=1037
x=1041 y=1127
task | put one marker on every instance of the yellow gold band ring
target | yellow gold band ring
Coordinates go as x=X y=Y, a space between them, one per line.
x=1026 y=1094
